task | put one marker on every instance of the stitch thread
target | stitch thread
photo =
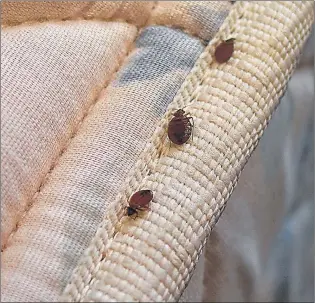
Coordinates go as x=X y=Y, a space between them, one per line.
x=45 y=179
x=104 y=240
x=115 y=213
x=84 y=10
x=186 y=31
x=121 y=214
x=42 y=183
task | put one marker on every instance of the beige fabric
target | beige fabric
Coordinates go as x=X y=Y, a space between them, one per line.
x=52 y=228
x=135 y=12
x=41 y=224
x=195 y=289
x=25 y=93
x=152 y=258
x=262 y=249
x=198 y=18
x=46 y=92
x=189 y=15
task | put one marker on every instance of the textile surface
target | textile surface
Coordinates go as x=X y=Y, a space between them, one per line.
x=31 y=142
x=152 y=258
x=134 y=12
x=84 y=87
x=262 y=249
x=73 y=127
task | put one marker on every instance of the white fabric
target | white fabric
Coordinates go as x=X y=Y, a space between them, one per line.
x=242 y=237
x=51 y=75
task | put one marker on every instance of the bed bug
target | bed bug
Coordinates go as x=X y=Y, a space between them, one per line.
x=139 y=201
x=180 y=127
x=224 y=50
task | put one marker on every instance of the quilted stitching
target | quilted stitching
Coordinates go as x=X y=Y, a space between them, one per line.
x=171 y=76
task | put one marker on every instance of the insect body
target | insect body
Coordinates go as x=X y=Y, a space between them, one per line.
x=224 y=50
x=180 y=127
x=139 y=201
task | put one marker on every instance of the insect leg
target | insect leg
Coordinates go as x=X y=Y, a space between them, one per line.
x=191 y=119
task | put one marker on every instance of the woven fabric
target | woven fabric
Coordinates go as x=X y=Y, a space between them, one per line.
x=76 y=194
x=94 y=138
x=262 y=249
x=16 y=12
x=196 y=17
x=152 y=258
x=51 y=75
x=95 y=164
x=200 y=18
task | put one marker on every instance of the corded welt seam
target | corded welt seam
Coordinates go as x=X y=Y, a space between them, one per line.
x=83 y=275
x=95 y=255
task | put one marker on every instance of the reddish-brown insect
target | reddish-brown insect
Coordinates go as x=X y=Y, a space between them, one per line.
x=224 y=50
x=139 y=201
x=180 y=127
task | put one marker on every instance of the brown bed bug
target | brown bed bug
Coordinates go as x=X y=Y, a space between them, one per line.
x=224 y=50
x=180 y=127
x=139 y=201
